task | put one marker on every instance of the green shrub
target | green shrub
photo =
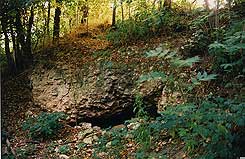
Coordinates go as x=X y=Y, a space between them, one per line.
x=174 y=77
x=229 y=52
x=207 y=129
x=144 y=24
x=197 y=44
x=127 y=31
x=139 y=108
x=112 y=142
x=45 y=125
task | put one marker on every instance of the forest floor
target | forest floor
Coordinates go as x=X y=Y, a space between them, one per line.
x=75 y=50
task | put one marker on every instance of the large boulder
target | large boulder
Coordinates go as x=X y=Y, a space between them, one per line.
x=84 y=94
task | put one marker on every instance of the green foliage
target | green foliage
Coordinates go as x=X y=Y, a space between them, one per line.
x=112 y=142
x=211 y=129
x=171 y=58
x=81 y=146
x=102 y=54
x=139 y=108
x=228 y=53
x=197 y=44
x=65 y=149
x=51 y=147
x=174 y=77
x=45 y=125
x=126 y=31
x=26 y=150
x=203 y=77
x=142 y=135
x=152 y=76
x=145 y=135
x=145 y=23
x=185 y=63
x=207 y=128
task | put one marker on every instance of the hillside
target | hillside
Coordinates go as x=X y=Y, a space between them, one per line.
x=165 y=81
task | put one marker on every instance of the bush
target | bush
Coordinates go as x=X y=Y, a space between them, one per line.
x=207 y=129
x=112 y=142
x=145 y=24
x=228 y=53
x=197 y=44
x=45 y=125
x=127 y=31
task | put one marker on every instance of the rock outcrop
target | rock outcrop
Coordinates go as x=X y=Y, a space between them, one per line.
x=82 y=93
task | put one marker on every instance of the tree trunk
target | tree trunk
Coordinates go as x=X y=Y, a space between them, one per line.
x=77 y=20
x=114 y=14
x=217 y=19
x=20 y=40
x=122 y=10
x=10 y=60
x=14 y=41
x=48 y=19
x=28 y=38
x=129 y=11
x=56 y=32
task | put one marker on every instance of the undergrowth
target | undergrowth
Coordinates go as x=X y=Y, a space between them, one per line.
x=209 y=126
x=145 y=24
x=45 y=125
x=211 y=129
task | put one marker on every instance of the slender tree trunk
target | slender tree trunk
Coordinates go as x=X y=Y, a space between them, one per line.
x=45 y=26
x=20 y=41
x=217 y=14
x=129 y=11
x=122 y=10
x=15 y=48
x=10 y=60
x=217 y=18
x=114 y=14
x=48 y=18
x=18 y=56
x=77 y=21
x=56 y=32
x=28 y=38
x=13 y=40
